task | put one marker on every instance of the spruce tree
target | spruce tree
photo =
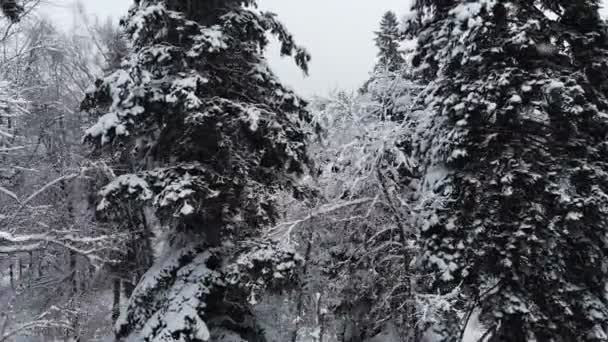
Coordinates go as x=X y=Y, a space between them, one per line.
x=387 y=42
x=512 y=136
x=388 y=72
x=212 y=136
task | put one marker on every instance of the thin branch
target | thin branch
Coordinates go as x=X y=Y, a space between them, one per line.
x=9 y=194
x=37 y=193
x=287 y=227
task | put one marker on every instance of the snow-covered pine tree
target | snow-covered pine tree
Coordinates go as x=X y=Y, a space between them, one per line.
x=513 y=139
x=387 y=41
x=213 y=135
x=389 y=74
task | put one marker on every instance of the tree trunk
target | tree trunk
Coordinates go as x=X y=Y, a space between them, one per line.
x=74 y=281
x=301 y=295
x=116 y=302
x=39 y=265
x=320 y=317
x=128 y=288
x=11 y=274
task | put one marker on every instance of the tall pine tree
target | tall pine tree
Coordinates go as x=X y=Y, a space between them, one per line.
x=389 y=69
x=387 y=42
x=212 y=135
x=512 y=135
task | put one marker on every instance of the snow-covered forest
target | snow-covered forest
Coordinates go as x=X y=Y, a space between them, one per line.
x=159 y=182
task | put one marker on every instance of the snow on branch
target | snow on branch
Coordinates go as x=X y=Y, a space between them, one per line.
x=89 y=247
x=93 y=248
x=40 y=322
x=9 y=193
x=286 y=228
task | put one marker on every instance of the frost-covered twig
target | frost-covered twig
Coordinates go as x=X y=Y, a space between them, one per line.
x=88 y=247
x=286 y=228
x=38 y=323
x=23 y=203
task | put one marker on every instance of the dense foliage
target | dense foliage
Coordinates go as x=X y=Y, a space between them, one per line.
x=12 y=9
x=512 y=140
x=207 y=136
x=459 y=195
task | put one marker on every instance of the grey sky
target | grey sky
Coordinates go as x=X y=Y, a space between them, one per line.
x=338 y=33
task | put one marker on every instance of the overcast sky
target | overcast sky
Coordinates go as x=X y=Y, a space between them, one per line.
x=338 y=33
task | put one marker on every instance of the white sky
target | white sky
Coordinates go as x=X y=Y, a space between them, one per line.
x=338 y=34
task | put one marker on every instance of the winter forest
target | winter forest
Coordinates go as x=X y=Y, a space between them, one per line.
x=159 y=182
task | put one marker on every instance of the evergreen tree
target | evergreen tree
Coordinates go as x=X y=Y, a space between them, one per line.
x=512 y=135
x=389 y=70
x=387 y=41
x=212 y=135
